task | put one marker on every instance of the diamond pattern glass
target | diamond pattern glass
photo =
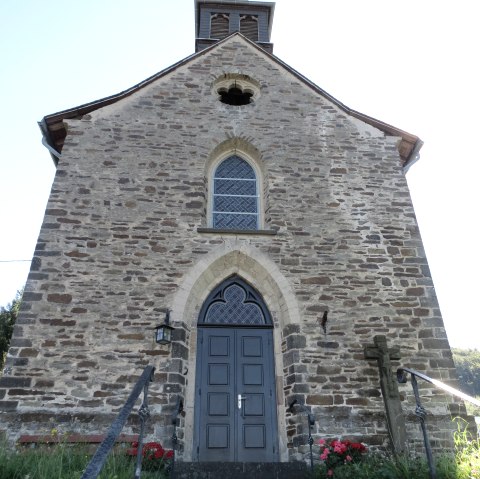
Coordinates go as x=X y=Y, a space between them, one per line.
x=235 y=187
x=239 y=204
x=234 y=310
x=234 y=221
x=235 y=167
x=235 y=199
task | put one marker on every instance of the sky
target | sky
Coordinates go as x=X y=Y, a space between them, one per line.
x=412 y=64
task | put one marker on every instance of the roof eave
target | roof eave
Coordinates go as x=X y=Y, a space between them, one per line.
x=408 y=148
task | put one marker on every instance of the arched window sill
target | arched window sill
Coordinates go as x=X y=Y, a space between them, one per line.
x=237 y=232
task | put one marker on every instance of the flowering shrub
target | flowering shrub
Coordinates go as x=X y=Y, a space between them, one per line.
x=336 y=453
x=154 y=456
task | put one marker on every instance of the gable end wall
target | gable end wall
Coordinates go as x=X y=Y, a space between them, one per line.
x=119 y=243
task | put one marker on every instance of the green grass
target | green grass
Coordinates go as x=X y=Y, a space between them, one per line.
x=67 y=462
x=63 y=462
x=378 y=467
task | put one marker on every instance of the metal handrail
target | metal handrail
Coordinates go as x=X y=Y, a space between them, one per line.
x=98 y=460
x=310 y=422
x=176 y=412
x=420 y=411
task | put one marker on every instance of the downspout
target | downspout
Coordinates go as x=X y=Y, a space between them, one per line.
x=414 y=156
x=52 y=151
x=56 y=156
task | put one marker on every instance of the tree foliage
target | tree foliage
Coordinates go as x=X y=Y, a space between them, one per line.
x=8 y=316
x=467 y=362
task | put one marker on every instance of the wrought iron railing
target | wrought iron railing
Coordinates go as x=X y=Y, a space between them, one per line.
x=421 y=413
x=310 y=422
x=98 y=460
x=176 y=413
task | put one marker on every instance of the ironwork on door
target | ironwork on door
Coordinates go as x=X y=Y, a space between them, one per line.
x=235 y=403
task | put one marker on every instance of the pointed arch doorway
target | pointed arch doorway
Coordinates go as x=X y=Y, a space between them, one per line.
x=235 y=397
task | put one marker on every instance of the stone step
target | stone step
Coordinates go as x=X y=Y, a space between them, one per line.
x=240 y=470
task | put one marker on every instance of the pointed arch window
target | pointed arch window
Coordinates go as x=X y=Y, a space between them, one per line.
x=249 y=26
x=234 y=302
x=235 y=195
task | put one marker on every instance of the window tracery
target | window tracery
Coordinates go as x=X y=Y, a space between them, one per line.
x=234 y=302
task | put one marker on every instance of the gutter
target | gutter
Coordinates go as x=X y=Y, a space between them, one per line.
x=46 y=142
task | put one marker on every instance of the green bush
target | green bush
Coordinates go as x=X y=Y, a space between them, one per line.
x=467 y=362
x=380 y=467
x=8 y=316
x=464 y=463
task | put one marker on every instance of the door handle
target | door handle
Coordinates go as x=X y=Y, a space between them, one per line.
x=240 y=399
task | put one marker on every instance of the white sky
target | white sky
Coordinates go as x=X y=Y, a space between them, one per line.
x=413 y=64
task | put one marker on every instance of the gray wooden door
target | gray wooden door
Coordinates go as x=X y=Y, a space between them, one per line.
x=235 y=404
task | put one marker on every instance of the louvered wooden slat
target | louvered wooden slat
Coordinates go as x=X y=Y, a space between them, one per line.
x=219 y=26
x=249 y=27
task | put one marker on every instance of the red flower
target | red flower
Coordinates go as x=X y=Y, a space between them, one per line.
x=153 y=453
x=339 y=448
x=337 y=453
x=358 y=446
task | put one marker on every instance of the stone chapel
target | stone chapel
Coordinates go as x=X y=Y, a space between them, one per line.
x=270 y=221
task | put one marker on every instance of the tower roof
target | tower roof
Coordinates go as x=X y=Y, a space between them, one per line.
x=216 y=19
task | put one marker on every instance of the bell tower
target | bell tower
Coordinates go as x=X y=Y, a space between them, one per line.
x=215 y=20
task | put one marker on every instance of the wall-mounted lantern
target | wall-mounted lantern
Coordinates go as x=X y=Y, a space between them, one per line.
x=163 y=333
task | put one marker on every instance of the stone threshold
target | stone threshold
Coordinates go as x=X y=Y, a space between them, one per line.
x=241 y=470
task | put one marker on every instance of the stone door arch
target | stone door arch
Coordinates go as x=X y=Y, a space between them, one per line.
x=235 y=396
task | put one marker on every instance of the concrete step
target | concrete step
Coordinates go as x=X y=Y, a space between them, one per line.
x=240 y=470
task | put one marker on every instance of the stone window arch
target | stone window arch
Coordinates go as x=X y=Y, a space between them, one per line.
x=235 y=194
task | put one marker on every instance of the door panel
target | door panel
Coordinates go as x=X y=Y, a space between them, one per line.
x=235 y=404
x=214 y=401
x=256 y=434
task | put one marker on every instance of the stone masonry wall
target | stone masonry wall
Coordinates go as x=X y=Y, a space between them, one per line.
x=120 y=240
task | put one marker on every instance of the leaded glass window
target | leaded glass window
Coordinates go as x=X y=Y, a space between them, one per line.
x=235 y=195
x=234 y=302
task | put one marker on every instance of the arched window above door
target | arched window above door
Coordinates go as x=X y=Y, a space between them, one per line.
x=235 y=197
x=234 y=303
